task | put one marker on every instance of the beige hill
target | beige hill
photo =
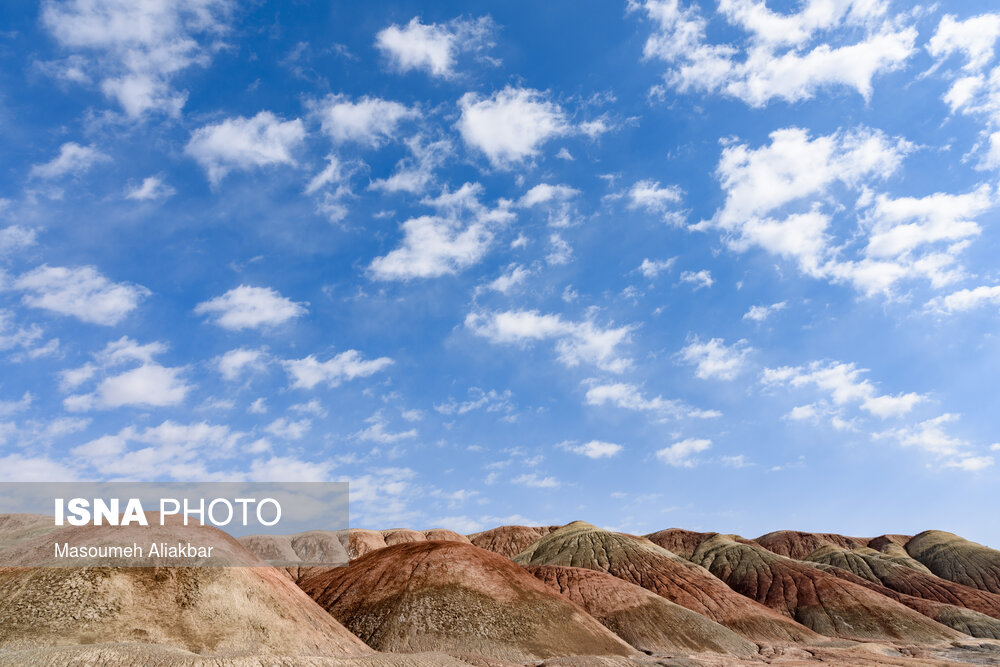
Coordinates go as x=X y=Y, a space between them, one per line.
x=457 y=598
x=645 y=564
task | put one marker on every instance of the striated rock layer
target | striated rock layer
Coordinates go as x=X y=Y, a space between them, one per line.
x=645 y=620
x=456 y=597
x=645 y=564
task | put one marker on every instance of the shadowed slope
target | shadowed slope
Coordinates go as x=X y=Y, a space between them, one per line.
x=450 y=596
x=509 y=541
x=645 y=620
x=827 y=604
x=641 y=562
x=886 y=570
x=956 y=559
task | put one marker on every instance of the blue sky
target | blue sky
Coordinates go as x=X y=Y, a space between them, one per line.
x=725 y=266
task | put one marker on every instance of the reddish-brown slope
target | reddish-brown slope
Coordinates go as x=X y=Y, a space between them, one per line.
x=827 y=604
x=881 y=569
x=645 y=620
x=641 y=562
x=798 y=545
x=450 y=596
x=509 y=541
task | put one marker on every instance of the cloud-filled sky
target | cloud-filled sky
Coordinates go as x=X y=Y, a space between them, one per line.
x=725 y=265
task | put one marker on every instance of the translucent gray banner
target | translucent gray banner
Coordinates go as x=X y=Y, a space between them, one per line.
x=212 y=524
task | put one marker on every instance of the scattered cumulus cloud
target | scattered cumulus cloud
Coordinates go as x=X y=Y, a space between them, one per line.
x=308 y=372
x=784 y=56
x=435 y=47
x=241 y=143
x=681 y=454
x=576 y=342
x=595 y=449
x=511 y=125
x=81 y=292
x=73 y=160
x=714 y=359
x=247 y=307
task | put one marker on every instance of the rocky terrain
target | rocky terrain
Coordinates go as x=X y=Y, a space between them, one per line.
x=515 y=595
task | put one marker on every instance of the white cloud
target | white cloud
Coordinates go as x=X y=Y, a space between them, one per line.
x=595 y=449
x=974 y=38
x=536 y=481
x=970 y=463
x=490 y=401
x=699 y=279
x=81 y=292
x=714 y=359
x=149 y=385
x=15 y=237
x=560 y=251
x=281 y=468
x=679 y=454
x=844 y=384
x=288 y=429
x=370 y=120
x=761 y=313
x=308 y=372
x=20 y=468
x=377 y=432
x=898 y=226
x=152 y=187
x=779 y=198
x=433 y=47
x=245 y=143
x=73 y=159
x=781 y=59
x=737 y=461
x=514 y=275
x=545 y=192
x=235 y=362
x=415 y=174
x=629 y=397
x=512 y=125
x=929 y=435
x=247 y=307
x=576 y=342
x=435 y=245
x=650 y=196
x=8 y=408
x=137 y=48
x=312 y=407
x=966 y=299
x=178 y=451
x=653 y=268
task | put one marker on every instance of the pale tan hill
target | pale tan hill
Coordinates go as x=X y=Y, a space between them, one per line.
x=645 y=564
x=645 y=620
x=456 y=597
x=827 y=604
x=956 y=559
x=510 y=540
